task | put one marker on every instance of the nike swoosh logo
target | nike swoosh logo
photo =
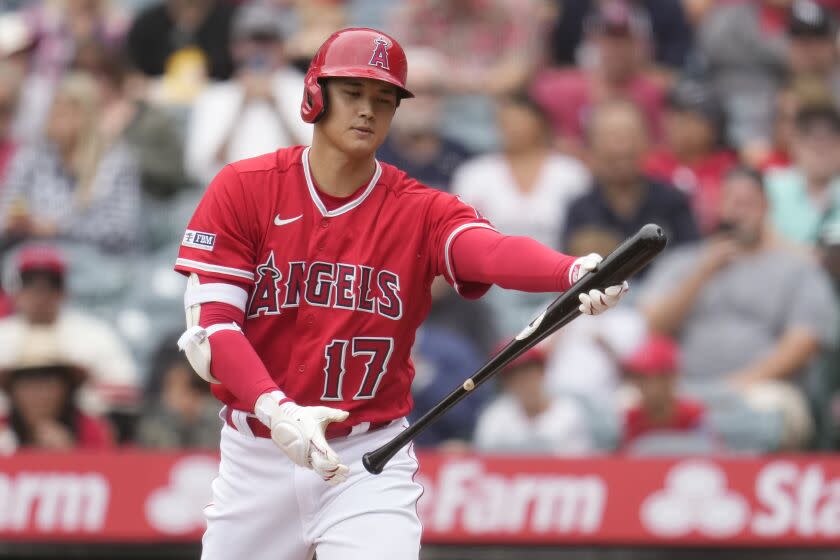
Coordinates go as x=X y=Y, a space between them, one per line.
x=280 y=222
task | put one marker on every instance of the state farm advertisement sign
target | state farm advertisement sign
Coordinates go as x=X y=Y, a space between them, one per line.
x=147 y=497
x=785 y=501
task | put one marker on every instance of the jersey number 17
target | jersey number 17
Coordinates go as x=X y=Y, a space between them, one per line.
x=378 y=352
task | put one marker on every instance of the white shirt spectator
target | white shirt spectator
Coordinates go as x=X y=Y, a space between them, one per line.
x=254 y=128
x=585 y=354
x=91 y=344
x=561 y=429
x=487 y=184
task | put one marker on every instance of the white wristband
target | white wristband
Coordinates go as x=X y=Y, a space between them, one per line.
x=268 y=405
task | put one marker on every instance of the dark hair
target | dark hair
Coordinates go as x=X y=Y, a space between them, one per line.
x=66 y=416
x=53 y=279
x=811 y=115
x=522 y=99
x=166 y=357
x=746 y=172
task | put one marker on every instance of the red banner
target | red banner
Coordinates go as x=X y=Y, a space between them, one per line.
x=149 y=497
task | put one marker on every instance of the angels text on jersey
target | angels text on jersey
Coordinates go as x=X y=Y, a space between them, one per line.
x=353 y=287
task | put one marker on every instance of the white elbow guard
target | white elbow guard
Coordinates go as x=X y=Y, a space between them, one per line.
x=195 y=342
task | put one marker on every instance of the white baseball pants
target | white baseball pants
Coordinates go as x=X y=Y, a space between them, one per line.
x=267 y=508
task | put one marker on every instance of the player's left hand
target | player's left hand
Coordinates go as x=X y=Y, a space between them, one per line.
x=299 y=432
x=595 y=301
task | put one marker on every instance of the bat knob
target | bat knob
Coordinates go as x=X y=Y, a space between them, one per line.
x=370 y=464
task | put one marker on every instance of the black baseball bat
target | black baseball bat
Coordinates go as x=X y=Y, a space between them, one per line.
x=625 y=261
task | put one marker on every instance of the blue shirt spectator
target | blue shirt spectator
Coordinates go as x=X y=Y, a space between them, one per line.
x=672 y=35
x=622 y=199
x=443 y=359
x=435 y=172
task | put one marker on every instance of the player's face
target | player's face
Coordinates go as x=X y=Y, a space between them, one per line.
x=359 y=114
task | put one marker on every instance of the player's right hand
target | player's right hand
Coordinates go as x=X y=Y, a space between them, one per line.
x=299 y=432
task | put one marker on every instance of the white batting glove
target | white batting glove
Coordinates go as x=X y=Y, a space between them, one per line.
x=595 y=301
x=299 y=432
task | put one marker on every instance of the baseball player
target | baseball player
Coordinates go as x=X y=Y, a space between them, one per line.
x=309 y=271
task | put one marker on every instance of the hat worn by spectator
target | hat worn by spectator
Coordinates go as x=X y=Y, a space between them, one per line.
x=810 y=117
x=258 y=20
x=15 y=35
x=618 y=18
x=41 y=258
x=807 y=19
x=695 y=97
x=33 y=262
x=41 y=355
x=531 y=356
x=657 y=356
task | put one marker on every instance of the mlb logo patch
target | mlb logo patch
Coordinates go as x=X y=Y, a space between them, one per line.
x=199 y=240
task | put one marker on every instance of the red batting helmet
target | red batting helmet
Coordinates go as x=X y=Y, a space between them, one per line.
x=357 y=52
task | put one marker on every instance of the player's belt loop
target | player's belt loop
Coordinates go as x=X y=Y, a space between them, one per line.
x=240 y=421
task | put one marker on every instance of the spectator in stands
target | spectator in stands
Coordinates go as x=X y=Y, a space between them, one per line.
x=10 y=84
x=183 y=42
x=473 y=319
x=490 y=47
x=17 y=43
x=308 y=24
x=63 y=26
x=441 y=357
x=792 y=96
x=59 y=29
x=618 y=39
x=661 y=412
x=258 y=110
x=41 y=384
x=812 y=48
x=525 y=419
x=527 y=187
x=145 y=128
x=744 y=44
x=806 y=195
x=74 y=185
x=524 y=190
x=671 y=31
x=181 y=413
x=416 y=142
x=39 y=292
x=749 y=313
x=828 y=397
x=585 y=355
x=693 y=158
x=622 y=199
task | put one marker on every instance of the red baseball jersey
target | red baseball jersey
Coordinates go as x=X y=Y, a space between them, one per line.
x=335 y=295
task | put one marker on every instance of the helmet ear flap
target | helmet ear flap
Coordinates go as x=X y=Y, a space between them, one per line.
x=314 y=99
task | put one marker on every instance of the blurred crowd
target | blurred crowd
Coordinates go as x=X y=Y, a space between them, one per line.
x=574 y=122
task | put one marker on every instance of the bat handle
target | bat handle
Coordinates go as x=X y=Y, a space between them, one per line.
x=374 y=461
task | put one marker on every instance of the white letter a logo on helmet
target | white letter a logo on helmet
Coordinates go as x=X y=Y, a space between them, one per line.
x=380 y=54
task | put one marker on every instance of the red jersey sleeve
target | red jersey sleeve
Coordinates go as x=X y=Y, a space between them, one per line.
x=220 y=240
x=447 y=218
